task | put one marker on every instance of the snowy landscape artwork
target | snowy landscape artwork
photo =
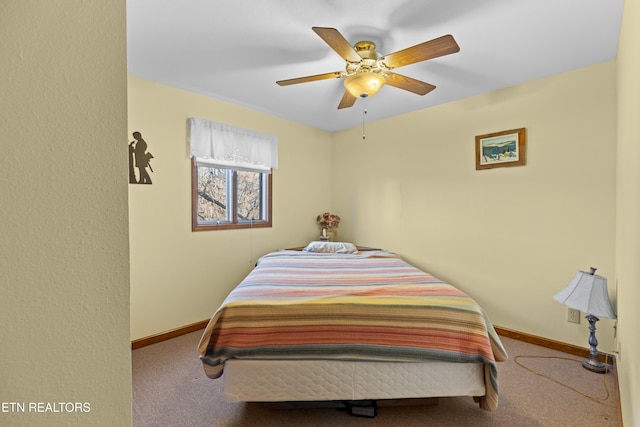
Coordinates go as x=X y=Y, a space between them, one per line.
x=500 y=149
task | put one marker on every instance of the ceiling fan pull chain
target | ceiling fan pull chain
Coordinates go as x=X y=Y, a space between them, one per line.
x=364 y=113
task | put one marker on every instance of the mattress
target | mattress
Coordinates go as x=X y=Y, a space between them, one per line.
x=327 y=380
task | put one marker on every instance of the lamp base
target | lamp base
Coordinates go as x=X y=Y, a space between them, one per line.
x=596 y=366
x=593 y=363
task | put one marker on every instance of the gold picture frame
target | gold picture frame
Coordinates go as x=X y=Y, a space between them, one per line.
x=501 y=149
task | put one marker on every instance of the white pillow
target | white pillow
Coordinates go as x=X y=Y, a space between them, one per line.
x=331 y=247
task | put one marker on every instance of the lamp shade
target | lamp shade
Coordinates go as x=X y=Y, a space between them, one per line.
x=363 y=84
x=588 y=293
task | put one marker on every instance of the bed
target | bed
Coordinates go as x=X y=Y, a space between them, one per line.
x=333 y=323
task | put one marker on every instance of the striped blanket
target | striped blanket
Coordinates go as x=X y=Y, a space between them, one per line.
x=365 y=306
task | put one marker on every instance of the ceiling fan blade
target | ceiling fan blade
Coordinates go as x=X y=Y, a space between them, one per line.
x=441 y=46
x=347 y=100
x=409 y=84
x=337 y=42
x=325 y=76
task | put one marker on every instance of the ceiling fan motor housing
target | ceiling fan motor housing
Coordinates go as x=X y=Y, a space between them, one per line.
x=366 y=49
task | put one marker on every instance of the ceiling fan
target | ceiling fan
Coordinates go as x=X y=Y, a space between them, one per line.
x=366 y=73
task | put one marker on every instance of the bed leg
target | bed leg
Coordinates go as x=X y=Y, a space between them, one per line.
x=481 y=401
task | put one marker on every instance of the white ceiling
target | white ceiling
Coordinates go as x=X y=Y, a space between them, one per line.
x=235 y=50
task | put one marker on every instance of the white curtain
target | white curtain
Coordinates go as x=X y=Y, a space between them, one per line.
x=219 y=144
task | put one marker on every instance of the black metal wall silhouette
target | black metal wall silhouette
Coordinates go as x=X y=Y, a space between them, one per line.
x=139 y=158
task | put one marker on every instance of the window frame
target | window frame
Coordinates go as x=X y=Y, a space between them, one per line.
x=233 y=224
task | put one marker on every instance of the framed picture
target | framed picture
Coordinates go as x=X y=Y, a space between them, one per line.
x=501 y=149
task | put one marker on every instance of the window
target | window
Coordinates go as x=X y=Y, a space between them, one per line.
x=231 y=181
x=226 y=198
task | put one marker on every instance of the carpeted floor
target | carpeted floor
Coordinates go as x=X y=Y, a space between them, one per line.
x=170 y=389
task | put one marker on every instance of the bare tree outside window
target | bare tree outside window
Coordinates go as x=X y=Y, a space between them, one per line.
x=249 y=195
x=228 y=198
x=212 y=194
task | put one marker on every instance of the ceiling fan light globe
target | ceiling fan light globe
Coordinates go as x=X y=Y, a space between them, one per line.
x=364 y=84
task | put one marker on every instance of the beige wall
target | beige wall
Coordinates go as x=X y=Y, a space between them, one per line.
x=64 y=252
x=628 y=213
x=510 y=237
x=179 y=277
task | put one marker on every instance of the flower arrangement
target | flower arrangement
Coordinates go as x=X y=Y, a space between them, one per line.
x=328 y=220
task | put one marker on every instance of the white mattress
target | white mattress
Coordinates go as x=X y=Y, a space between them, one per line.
x=321 y=380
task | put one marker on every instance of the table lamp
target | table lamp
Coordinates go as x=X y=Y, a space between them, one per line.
x=588 y=293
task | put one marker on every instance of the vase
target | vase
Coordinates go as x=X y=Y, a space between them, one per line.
x=331 y=235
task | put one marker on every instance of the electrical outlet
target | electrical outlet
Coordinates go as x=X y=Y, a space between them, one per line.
x=573 y=315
